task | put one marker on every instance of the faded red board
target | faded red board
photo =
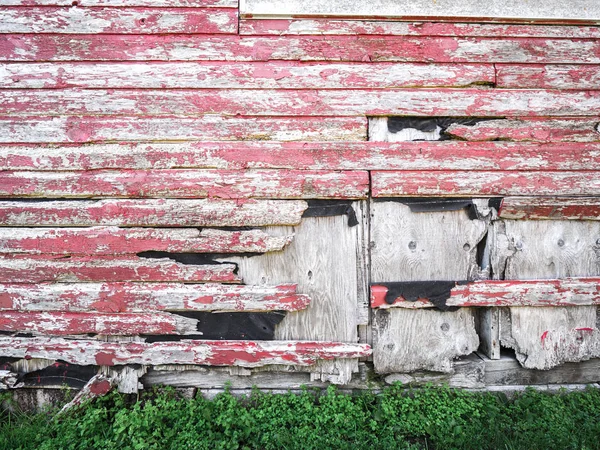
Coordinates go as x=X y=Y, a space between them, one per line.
x=39 y=47
x=128 y=3
x=554 y=208
x=72 y=323
x=17 y=268
x=154 y=212
x=211 y=353
x=236 y=75
x=433 y=155
x=481 y=184
x=277 y=27
x=31 y=19
x=120 y=241
x=146 y=297
x=564 y=292
x=182 y=183
x=250 y=102
x=548 y=76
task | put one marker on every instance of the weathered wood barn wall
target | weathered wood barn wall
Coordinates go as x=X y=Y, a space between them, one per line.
x=285 y=193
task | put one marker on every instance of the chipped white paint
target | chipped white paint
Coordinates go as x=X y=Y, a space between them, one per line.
x=128 y=3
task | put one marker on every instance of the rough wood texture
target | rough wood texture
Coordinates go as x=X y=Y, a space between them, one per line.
x=493 y=10
x=323 y=260
x=127 y=3
x=546 y=337
x=482 y=184
x=98 y=386
x=57 y=323
x=444 y=155
x=15 y=268
x=421 y=102
x=145 y=297
x=184 y=183
x=179 y=128
x=211 y=353
x=554 y=208
x=410 y=246
x=153 y=212
x=565 y=292
x=230 y=75
x=445 y=49
x=31 y=19
x=529 y=129
x=548 y=76
x=120 y=241
x=278 y=27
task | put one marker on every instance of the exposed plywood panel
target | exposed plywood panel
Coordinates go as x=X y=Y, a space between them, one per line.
x=409 y=246
x=228 y=75
x=442 y=155
x=299 y=102
x=186 y=183
x=16 y=268
x=120 y=241
x=145 y=297
x=557 y=208
x=180 y=128
x=212 y=353
x=278 y=27
x=482 y=184
x=324 y=260
x=153 y=212
x=31 y=19
x=546 y=337
x=494 y=10
x=446 y=49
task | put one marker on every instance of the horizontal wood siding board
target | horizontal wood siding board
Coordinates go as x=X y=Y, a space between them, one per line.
x=236 y=75
x=433 y=155
x=18 y=268
x=52 y=20
x=492 y=10
x=278 y=27
x=128 y=3
x=212 y=353
x=127 y=241
x=482 y=184
x=552 y=208
x=180 y=128
x=69 y=323
x=147 y=297
x=558 y=76
x=156 y=212
x=18 y=107
x=186 y=183
x=564 y=292
x=441 y=49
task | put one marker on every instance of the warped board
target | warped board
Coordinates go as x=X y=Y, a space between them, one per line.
x=546 y=337
x=553 y=208
x=211 y=353
x=445 y=49
x=444 y=155
x=564 y=292
x=18 y=268
x=236 y=75
x=73 y=323
x=146 y=297
x=325 y=260
x=180 y=128
x=279 y=27
x=547 y=76
x=31 y=19
x=185 y=183
x=298 y=102
x=409 y=246
x=120 y=241
x=482 y=184
x=152 y=212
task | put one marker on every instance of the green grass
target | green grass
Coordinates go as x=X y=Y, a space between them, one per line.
x=398 y=418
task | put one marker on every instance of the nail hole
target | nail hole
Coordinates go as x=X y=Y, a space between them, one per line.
x=466 y=247
x=310 y=274
x=445 y=327
x=561 y=243
x=412 y=245
x=142 y=20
